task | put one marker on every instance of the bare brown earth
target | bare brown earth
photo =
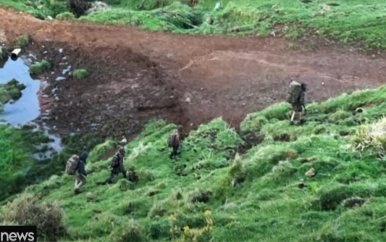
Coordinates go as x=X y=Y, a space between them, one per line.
x=138 y=75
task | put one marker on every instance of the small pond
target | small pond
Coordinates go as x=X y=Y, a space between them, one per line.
x=27 y=108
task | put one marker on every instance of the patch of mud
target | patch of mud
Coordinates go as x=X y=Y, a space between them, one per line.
x=118 y=97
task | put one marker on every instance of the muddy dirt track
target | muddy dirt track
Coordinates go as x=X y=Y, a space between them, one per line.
x=138 y=75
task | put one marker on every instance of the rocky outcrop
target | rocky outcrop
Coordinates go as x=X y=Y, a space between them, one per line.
x=97 y=6
x=78 y=7
x=82 y=7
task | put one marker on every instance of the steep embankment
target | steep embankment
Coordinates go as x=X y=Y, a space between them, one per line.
x=293 y=183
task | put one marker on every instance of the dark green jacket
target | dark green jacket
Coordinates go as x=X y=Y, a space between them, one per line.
x=81 y=168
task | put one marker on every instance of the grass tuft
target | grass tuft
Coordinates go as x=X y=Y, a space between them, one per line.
x=23 y=41
x=65 y=16
x=80 y=73
x=40 y=67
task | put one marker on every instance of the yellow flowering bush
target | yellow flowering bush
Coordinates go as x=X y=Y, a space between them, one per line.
x=191 y=234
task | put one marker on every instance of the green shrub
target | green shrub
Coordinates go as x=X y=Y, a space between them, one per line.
x=23 y=41
x=80 y=73
x=371 y=137
x=65 y=16
x=4 y=52
x=40 y=67
x=131 y=231
x=48 y=217
x=332 y=196
x=101 y=149
x=12 y=90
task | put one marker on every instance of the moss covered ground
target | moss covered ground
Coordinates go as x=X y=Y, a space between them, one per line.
x=254 y=184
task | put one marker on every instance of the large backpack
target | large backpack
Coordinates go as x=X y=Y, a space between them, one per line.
x=294 y=92
x=115 y=163
x=173 y=140
x=72 y=165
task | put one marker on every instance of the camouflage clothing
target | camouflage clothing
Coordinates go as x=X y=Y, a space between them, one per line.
x=80 y=180
x=296 y=98
x=298 y=106
x=116 y=167
x=80 y=176
x=174 y=142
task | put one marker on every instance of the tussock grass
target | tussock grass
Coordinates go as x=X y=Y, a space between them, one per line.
x=265 y=192
x=11 y=90
x=48 y=217
x=17 y=167
x=349 y=22
x=23 y=41
x=80 y=73
x=354 y=22
x=65 y=16
x=40 y=67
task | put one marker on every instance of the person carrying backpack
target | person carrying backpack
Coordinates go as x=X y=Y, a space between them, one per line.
x=116 y=165
x=75 y=166
x=174 y=142
x=296 y=99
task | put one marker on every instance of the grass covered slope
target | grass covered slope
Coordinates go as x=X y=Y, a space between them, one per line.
x=347 y=21
x=266 y=192
x=17 y=164
x=355 y=22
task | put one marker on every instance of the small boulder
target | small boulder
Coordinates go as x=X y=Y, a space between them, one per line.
x=302 y=185
x=203 y=197
x=97 y=6
x=353 y=202
x=311 y=172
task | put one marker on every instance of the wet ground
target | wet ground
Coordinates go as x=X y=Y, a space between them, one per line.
x=27 y=109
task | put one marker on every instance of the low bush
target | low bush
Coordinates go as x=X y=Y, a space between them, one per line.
x=40 y=67
x=80 y=73
x=65 y=16
x=25 y=210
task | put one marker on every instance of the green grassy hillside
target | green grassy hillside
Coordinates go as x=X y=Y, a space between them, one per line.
x=257 y=180
x=356 y=22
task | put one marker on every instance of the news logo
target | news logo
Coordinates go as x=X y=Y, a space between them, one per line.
x=18 y=233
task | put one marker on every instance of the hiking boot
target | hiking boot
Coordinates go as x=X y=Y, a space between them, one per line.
x=76 y=191
x=302 y=121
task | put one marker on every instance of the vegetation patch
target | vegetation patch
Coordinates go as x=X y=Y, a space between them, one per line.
x=4 y=52
x=211 y=192
x=65 y=16
x=11 y=91
x=23 y=41
x=40 y=67
x=80 y=73
x=48 y=217
x=371 y=137
x=320 y=181
x=17 y=163
x=353 y=22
